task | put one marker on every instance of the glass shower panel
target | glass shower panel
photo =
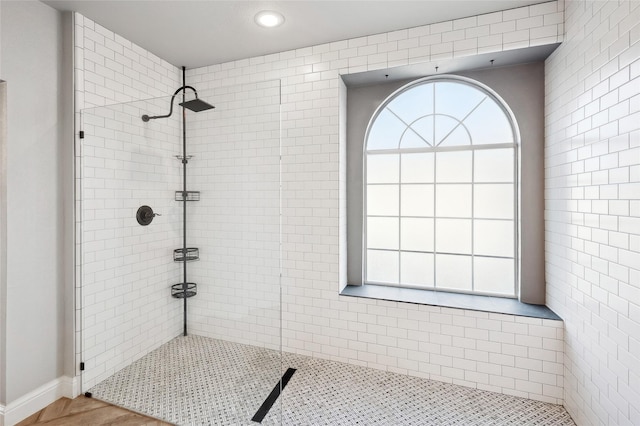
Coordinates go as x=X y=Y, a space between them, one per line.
x=126 y=268
x=236 y=226
x=132 y=291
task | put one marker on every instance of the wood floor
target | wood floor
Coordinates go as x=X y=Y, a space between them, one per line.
x=83 y=411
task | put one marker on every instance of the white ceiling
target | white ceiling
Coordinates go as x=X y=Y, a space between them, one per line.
x=200 y=33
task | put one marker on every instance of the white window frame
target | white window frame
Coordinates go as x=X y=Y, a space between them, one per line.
x=435 y=149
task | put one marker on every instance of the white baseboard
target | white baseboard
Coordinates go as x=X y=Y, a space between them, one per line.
x=39 y=398
x=1 y=415
x=70 y=386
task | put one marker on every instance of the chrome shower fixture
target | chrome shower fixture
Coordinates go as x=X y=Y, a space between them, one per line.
x=195 y=105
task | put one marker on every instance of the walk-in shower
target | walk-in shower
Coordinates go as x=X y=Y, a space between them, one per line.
x=224 y=211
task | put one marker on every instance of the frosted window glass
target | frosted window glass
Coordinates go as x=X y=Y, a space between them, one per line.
x=417 y=200
x=382 y=232
x=424 y=127
x=383 y=266
x=383 y=168
x=443 y=126
x=494 y=275
x=453 y=200
x=493 y=165
x=467 y=194
x=416 y=234
x=489 y=124
x=453 y=236
x=416 y=269
x=385 y=132
x=382 y=200
x=458 y=137
x=417 y=168
x=453 y=166
x=456 y=99
x=493 y=201
x=493 y=237
x=411 y=139
x=413 y=103
x=453 y=272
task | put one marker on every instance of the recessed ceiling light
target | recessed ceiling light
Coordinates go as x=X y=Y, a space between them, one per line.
x=269 y=19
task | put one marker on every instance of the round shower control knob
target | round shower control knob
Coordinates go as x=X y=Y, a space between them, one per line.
x=145 y=215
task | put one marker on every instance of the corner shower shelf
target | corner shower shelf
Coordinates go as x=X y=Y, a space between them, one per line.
x=177 y=290
x=188 y=254
x=190 y=196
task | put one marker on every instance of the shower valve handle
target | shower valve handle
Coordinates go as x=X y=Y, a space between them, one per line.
x=145 y=215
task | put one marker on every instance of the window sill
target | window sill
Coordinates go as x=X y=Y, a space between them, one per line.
x=473 y=302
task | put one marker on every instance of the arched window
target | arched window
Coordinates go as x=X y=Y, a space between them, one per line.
x=440 y=189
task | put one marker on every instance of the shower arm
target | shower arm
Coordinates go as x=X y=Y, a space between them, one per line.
x=146 y=118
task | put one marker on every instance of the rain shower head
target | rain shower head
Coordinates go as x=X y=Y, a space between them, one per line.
x=195 y=105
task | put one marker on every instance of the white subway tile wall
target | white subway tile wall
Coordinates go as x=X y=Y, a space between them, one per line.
x=111 y=69
x=592 y=192
x=127 y=269
x=236 y=223
x=502 y=353
x=124 y=308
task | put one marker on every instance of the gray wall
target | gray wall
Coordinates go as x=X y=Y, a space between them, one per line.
x=39 y=195
x=67 y=177
x=3 y=227
x=3 y=238
x=522 y=88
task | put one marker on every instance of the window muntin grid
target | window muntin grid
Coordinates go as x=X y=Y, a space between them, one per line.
x=440 y=204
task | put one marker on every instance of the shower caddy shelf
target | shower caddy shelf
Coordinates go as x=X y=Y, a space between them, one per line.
x=187 y=195
x=186 y=254
x=178 y=291
x=189 y=254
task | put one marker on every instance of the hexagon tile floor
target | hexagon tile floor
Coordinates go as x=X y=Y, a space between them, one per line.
x=201 y=381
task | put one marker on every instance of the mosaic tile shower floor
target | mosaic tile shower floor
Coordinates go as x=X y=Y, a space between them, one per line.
x=200 y=381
